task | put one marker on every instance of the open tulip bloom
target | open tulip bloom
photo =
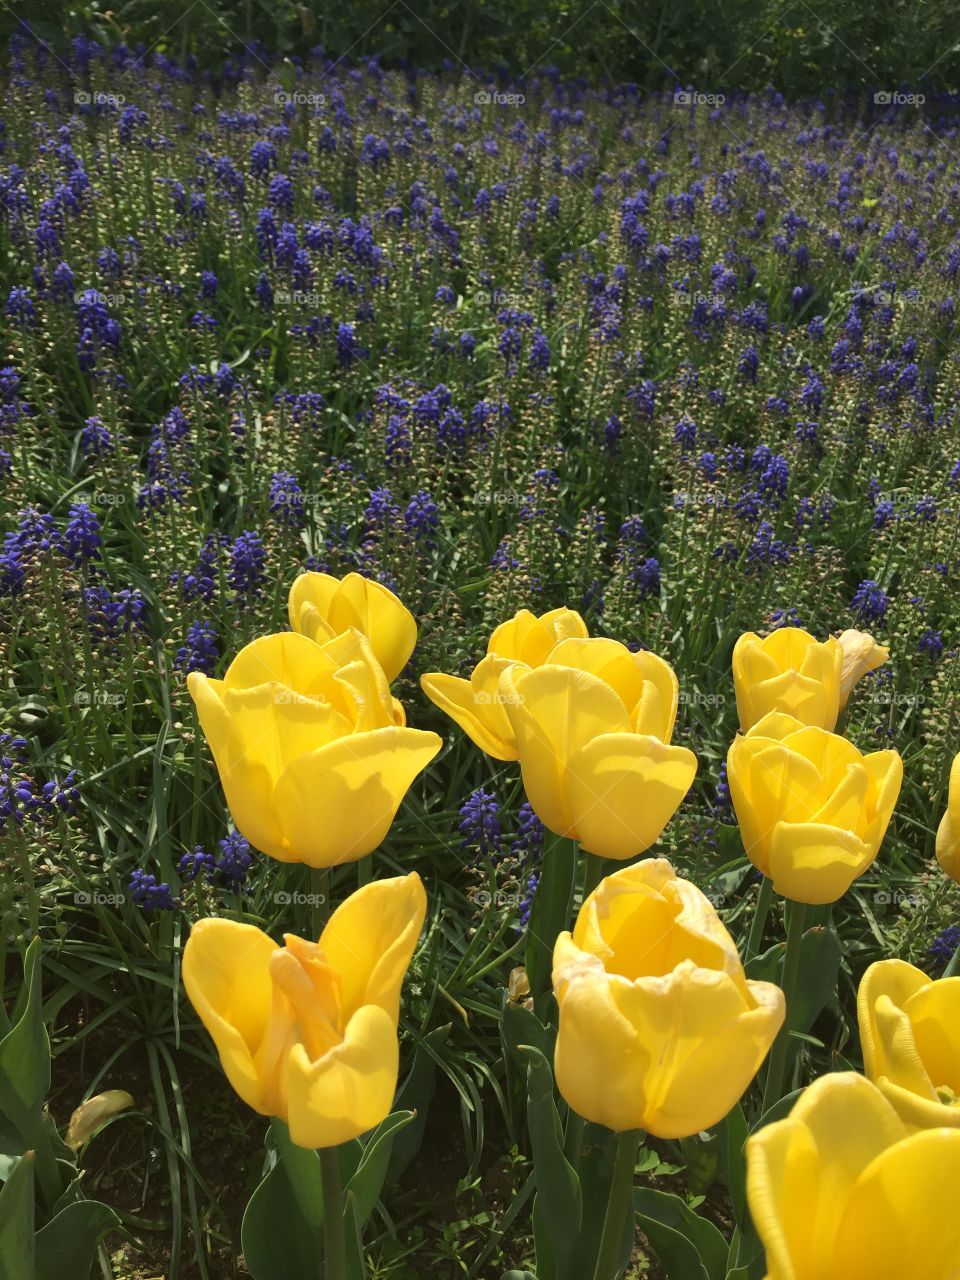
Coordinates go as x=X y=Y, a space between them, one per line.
x=659 y=1029
x=313 y=752
x=793 y=672
x=812 y=810
x=948 y=832
x=840 y=1190
x=307 y=1031
x=322 y=607
x=592 y=729
x=910 y=1035
x=476 y=705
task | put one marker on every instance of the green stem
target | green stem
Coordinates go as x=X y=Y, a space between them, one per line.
x=551 y=911
x=953 y=968
x=773 y=1090
x=618 y=1206
x=759 y=920
x=320 y=904
x=573 y=1137
x=334 y=1241
x=364 y=870
x=593 y=873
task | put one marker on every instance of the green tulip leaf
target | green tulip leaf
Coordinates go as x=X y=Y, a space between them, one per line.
x=820 y=956
x=16 y=1222
x=302 y=1167
x=678 y=1257
x=67 y=1245
x=779 y=1111
x=733 y=1136
x=557 y=1207
x=367 y=1183
x=278 y=1243
x=416 y=1094
x=25 y=1055
x=518 y=1275
x=671 y=1211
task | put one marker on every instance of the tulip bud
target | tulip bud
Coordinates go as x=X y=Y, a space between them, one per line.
x=789 y=671
x=322 y=607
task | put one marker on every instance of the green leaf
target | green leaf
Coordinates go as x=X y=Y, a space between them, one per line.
x=367 y=1183
x=557 y=1207
x=302 y=1168
x=16 y=1222
x=277 y=1241
x=25 y=1055
x=779 y=1111
x=678 y=1257
x=820 y=956
x=67 y=1245
x=733 y=1136
x=518 y=1275
x=416 y=1094
x=672 y=1212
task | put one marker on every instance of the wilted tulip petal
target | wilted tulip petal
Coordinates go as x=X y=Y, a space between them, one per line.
x=93 y=1113
x=861 y=655
x=659 y=1028
x=307 y=1032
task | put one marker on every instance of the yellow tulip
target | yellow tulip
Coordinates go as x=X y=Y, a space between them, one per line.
x=322 y=607
x=910 y=1034
x=312 y=750
x=840 y=1191
x=861 y=654
x=812 y=810
x=307 y=1032
x=948 y=833
x=475 y=704
x=788 y=670
x=659 y=1028
x=592 y=729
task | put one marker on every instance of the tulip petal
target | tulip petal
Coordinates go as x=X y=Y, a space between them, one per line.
x=896 y=980
x=370 y=939
x=934 y=1013
x=554 y=712
x=338 y=802
x=901 y=1219
x=226 y=973
x=485 y=723
x=623 y=789
x=285 y=658
x=816 y=864
x=350 y=1089
x=386 y=622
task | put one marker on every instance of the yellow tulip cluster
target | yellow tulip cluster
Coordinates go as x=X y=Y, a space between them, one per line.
x=659 y=1028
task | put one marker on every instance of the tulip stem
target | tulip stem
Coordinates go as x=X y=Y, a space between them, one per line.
x=619 y=1203
x=319 y=899
x=757 y=924
x=953 y=968
x=334 y=1241
x=550 y=914
x=773 y=1089
x=592 y=875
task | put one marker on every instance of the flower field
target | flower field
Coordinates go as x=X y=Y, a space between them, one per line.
x=480 y=676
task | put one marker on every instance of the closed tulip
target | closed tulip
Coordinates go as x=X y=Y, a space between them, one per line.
x=475 y=704
x=791 y=671
x=861 y=655
x=948 y=833
x=659 y=1029
x=322 y=607
x=910 y=1034
x=592 y=728
x=312 y=750
x=812 y=810
x=307 y=1032
x=840 y=1191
